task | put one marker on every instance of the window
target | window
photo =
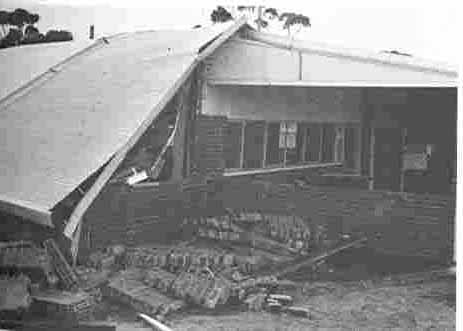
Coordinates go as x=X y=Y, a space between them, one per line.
x=257 y=144
x=274 y=154
x=313 y=143
x=328 y=140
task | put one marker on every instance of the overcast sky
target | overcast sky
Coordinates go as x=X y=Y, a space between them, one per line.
x=424 y=29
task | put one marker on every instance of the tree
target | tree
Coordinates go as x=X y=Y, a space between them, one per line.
x=13 y=38
x=30 y=29
x=289 y=20
x=19 y=18
x=32 y=35
x=293 y=19
x=58 y=35
x=4 y=19
x=220 y=15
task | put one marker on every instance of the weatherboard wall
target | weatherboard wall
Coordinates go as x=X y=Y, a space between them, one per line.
x=242 y=61
x=272 y=103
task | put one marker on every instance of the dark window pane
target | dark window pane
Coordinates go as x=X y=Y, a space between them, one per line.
x=313 y=143
x=329 y=136
x=274 y=153
x=350 y=150
x=301 y=135
x=232 y=148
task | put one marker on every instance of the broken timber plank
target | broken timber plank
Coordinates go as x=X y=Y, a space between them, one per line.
x=155 y=325
x=54 y=326
x=65 y=272
x=320 y=257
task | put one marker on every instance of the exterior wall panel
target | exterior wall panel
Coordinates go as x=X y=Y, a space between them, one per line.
x=241 y=60
x=338 y=70
x=309 y=104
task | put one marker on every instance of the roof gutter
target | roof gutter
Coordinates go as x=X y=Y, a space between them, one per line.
x=106 y=174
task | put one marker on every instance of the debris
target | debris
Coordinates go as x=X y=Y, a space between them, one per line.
x=63 y=304
x=55 y=326
x=64 y=271
x=317 y=259
x=156 y=325
x=160 y=279
x=403 y=320
x=128 y=287
x=282 y=298
x=14 y=293
x=26 y=258
x=298 y=311
x=256 y=301
x=101 y=260
x=274 y=307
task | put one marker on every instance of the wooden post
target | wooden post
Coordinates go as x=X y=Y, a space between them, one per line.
x=243 y=127
x=402 y=151
x=75 y=244
x=372 y=159
x=179 y=140
x=320 y=154
x=285 y=154
x=264 y=159
x=300 y=65
x=305 y=130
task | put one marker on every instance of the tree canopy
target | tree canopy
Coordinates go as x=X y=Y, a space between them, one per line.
x=288 y=19
x=220 y=15
x=18 y=27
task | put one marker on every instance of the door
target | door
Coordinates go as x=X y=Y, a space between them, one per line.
x=387 y=159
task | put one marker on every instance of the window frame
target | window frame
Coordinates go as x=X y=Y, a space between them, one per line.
x=338 y=148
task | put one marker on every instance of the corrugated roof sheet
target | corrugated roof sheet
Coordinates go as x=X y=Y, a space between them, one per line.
x=21 y=64
x=69 y=122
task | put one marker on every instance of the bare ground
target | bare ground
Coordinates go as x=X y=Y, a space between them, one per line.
x=403 y=303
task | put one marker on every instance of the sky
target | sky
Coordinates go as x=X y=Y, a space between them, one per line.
x=424 y=29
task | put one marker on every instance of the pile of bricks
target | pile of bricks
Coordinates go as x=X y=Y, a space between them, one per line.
x=262 y=299
x=218 y=228
x=182 y=258
x=66 y=274
x=291 y=230
x=129 y=288
x=14 y=293
x=202 y=288
x=160 y=279
x=64 y=305
x=27 y=258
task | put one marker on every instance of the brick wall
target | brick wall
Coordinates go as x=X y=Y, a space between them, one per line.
x=410 y=224
x=210 y=143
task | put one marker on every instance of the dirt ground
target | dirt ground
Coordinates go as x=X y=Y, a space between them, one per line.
x=398 y=303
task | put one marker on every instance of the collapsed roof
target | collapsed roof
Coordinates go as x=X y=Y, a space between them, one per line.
x=89 y=110
x=64 y=125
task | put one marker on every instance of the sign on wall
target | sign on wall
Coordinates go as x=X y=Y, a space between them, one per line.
x=416 y=156
x=288 y=131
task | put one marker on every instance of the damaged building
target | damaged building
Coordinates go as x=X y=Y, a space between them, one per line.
x=125 y=139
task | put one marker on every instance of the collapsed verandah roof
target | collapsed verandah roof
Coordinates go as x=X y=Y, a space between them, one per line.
x=62 y=127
